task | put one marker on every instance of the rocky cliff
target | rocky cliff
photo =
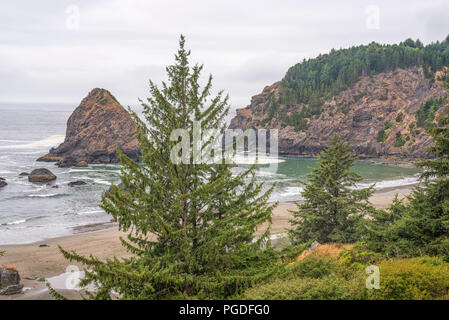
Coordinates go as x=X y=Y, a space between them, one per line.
x=94 y=130
x=381 y=116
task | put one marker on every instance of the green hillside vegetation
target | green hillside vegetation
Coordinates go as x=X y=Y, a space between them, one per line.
x=313 y=81
x=328 y=74
x=426 y=113
x=192 y=227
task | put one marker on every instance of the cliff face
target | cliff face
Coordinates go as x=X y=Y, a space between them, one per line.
x=378 y=116
x=94 y=130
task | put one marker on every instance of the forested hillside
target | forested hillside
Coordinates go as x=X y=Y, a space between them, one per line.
x=380 y=98
x=329 y=74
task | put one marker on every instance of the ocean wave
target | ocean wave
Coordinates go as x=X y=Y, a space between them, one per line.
x=16 y=222
x=21 y=221
x=96 y=180
x=252 y=159
x=50 y=195
x=82 y=213
x=50 y=141
x=390 y=183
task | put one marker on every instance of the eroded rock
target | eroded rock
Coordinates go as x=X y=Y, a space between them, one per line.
x=41 y=175
x=10 y=280
x=77 y=183
x=97 y=127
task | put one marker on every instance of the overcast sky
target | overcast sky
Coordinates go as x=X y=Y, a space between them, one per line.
x=57 y=51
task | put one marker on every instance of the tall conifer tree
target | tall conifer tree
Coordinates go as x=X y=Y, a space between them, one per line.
x=333 y=206
x=191 y=226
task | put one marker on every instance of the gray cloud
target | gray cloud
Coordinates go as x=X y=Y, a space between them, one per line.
x=244 y=44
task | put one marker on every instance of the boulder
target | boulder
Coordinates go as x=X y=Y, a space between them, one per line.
x=77 y=183
x=10 y=290
x=2 y=183
x=314 y=246
x=10 y=280
x=97 y=127
x=24 y=174
x=49 y=158
x=81 y=164
x=41 y=175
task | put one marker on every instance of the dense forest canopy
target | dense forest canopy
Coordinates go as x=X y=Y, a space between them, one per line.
x=328 y=74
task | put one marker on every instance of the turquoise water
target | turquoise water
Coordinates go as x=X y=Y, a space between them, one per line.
x=290 y=170
x=31 y=212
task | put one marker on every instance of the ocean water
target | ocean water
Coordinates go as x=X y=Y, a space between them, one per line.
x=32 y=212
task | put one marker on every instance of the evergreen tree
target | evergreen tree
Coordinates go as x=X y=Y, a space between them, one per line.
x=420 y=226
x=333 y=206
x=191 y=227
x=438 y=168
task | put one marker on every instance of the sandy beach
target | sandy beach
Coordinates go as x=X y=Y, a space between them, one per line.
x=43 y=259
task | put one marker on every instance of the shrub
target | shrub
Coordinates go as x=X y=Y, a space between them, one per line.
x=314 y=267
x=358 y=258
x=327 y=288
x=382 y=136
x=421 y=278
x=399 y=141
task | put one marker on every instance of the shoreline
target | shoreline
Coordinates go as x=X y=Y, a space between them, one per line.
x=42 y=259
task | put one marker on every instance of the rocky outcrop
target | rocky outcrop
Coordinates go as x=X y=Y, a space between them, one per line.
x=41 y=175
x=76 y=183
x=10 y=281
x=3 y=183
x=387 y=101
x=94 y=130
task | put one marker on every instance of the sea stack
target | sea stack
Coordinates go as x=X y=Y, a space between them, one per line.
x=95 y=129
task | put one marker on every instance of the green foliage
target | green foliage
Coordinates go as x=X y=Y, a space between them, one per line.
x=54 y=293
x=190 y=226
x=332 y=207
x=426 y=113
x=421 y=278
x=271 y=108
x=358 y=257
x=323 y=277
x=420 y=226
x=328 y=74
x=416 y=228
x=327 y=288
x=382 y=136
x=399 y=117
x=399 y=141
x=314 y=267
x=297 y=120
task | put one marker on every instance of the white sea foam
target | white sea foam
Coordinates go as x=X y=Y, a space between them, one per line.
x=82 y=213
x=292 y=191
x=16 y=222
x=96 y=180
x=50 y=141
x=252 y=159
x=44 y=195
x=391 y=183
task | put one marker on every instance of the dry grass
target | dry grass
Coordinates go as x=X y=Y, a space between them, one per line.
x=330 y=249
